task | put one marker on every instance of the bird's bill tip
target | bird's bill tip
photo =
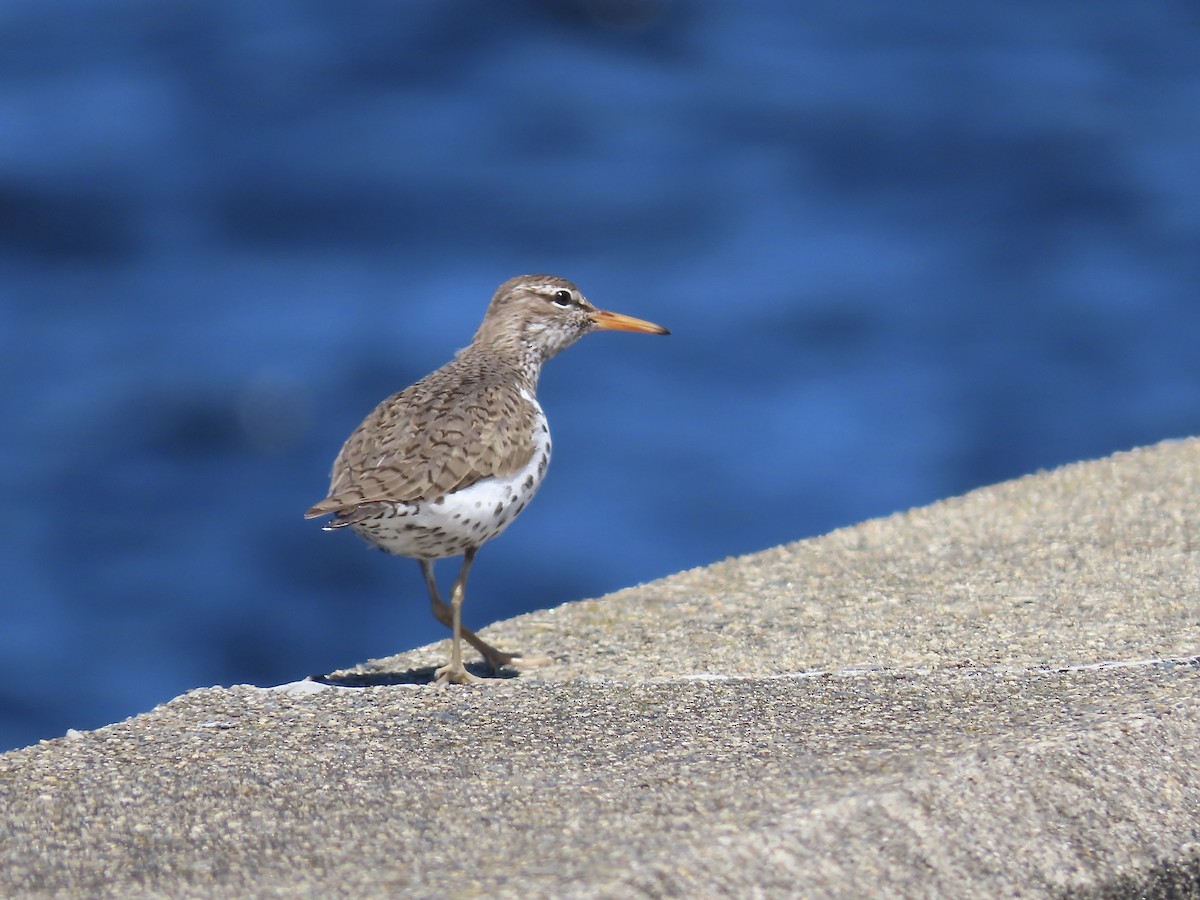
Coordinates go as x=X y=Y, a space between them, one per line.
x=612 y=321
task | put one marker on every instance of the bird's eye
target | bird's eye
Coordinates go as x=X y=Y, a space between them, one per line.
x=561 y=298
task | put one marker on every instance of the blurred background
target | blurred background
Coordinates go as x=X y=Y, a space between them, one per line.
x=905 y=250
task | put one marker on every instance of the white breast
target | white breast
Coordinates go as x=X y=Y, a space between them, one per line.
x=498 y=500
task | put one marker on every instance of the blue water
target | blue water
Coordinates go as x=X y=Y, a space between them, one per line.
x=904 y=249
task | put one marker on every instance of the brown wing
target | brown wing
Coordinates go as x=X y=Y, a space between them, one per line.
x=445 y=432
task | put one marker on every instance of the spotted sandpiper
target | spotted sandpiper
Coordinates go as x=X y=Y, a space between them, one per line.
x=445 y=465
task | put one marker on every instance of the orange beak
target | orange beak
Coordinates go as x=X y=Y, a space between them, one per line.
x=616 y=322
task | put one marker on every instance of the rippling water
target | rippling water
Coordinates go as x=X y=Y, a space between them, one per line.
x=904 y=251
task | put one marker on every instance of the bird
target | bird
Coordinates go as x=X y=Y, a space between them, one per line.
x=445 y=465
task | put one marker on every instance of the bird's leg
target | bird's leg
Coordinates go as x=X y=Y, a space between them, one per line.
x=454 y=670
x=444 y=614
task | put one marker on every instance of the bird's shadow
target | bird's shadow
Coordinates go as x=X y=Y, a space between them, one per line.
x=423 y=675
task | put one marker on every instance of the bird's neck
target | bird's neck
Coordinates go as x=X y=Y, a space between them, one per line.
x=520 y=361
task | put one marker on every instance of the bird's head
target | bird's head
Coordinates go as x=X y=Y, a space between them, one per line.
x=545 y=314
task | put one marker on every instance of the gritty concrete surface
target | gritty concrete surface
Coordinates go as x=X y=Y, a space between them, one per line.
x=998 y=695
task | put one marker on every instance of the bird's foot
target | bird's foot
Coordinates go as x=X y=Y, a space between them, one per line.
x=454 y=674
x=496 y=659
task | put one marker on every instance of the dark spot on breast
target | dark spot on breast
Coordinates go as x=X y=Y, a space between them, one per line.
x=529 y=482
x=499 y=509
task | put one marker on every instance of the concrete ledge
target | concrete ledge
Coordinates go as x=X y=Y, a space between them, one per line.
x=997 y=695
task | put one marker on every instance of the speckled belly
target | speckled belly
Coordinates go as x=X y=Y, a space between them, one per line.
x=450 y=525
